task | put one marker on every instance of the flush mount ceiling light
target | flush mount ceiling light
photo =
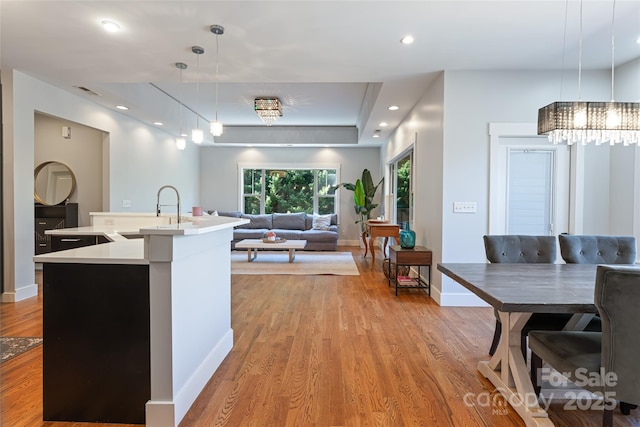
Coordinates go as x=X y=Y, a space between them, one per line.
x=408 y=39
x=216 y=126
x=584 y=122
x=110 y=26
x=269 y=109
x=181 y=142
x=197 y=135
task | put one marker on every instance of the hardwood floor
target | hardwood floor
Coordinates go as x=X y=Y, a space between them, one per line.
x=322 y=351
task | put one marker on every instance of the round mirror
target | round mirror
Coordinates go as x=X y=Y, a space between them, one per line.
x=53 y=183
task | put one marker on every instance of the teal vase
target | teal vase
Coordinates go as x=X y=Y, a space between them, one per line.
x=407 y=237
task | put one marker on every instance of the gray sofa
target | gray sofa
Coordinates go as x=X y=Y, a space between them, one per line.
x=290 y=226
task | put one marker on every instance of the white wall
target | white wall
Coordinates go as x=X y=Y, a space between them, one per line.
x=82 y=153
x=138 y=159
x=452 y=121
x=424 y=126
x=220 y=188
x=624 y=184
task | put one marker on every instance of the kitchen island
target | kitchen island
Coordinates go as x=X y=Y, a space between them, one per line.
x=134 y=329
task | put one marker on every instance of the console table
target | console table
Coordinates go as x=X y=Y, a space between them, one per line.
x=418 y=256
x=375 y=228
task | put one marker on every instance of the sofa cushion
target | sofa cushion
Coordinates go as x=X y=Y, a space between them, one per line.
x=309 y=221
x=289 y=221
x=321 y=222
x=234 y=214
x=288 y=234
x=257 y=221
x=247 y=233
x=319 y=236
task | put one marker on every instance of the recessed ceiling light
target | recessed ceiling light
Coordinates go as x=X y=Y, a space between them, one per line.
x=376 y=135
x=394 y=108
x=122 y=107
x=408 y=39
x=112 y=27
x=638 y=40
x=383 y=124
x=184 y=135
x=158 y=123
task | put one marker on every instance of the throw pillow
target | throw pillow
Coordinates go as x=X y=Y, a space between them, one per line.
x=321 y=222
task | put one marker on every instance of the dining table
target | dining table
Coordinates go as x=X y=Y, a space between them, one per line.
x=517 y=291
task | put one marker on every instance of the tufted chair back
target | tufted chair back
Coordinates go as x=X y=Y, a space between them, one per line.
x=597 y=249
x=520 y=249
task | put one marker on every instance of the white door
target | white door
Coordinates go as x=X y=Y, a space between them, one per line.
x=530 y=207
x=529 y=183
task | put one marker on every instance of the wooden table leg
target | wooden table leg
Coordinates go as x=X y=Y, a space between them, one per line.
x=249 y=257
x=373 y=252
x=384 y=246
x=364 y=242
x=507 y=371
x=292 y=254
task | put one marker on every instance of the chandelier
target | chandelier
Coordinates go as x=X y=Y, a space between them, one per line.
x=585 y=122
x=269 y=109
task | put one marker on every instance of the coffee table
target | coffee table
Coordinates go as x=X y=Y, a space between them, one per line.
x=252 y=246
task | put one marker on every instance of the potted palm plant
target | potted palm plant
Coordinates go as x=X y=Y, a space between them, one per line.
x=363 y=193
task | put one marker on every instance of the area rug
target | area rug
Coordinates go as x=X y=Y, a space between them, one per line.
x=310 y=263
x=10 y=347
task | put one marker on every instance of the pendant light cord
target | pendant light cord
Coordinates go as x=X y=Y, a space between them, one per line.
x=197 y=88
x=564 y=48
x=217 y=62
x=580 y=58
x=613 y=48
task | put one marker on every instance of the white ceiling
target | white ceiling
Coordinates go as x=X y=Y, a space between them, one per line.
x=318 y=57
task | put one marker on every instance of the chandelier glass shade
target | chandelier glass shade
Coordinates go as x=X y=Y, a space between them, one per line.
x=215 y=128
x=197 y=136
x=268 y=109
x=585 y=122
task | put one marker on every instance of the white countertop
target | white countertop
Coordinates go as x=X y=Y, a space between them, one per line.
x=124 y=252
x=128 y=251
x=112 y=233
x=198 y=225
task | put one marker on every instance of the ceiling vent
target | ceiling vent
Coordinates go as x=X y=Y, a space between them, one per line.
x=87 y=90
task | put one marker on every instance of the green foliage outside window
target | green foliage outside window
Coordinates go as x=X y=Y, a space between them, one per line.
x=291 y=190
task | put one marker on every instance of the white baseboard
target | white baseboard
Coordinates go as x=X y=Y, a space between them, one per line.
x=170 y=413
x=457 y=299
x=20 y=293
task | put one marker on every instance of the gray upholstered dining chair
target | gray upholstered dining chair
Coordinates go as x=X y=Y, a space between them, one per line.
x=589 y=249
x=524 y=249
x=614 y=350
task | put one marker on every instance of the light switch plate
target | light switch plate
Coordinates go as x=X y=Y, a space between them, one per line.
x=126 y=203
x=465 y=207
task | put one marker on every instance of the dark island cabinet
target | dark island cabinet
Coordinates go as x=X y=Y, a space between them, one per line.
x=51 y=218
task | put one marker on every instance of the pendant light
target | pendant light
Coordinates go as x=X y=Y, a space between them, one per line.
x=584 y=122
x=181 y=142
x=216 y=126
x=197 y=135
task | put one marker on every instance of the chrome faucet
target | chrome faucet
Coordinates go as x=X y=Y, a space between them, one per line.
x=158 y=201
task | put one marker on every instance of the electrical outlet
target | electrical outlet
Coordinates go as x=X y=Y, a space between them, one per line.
x=465 y=207
x=126 y=203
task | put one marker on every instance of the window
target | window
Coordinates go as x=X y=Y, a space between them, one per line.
x=288 y=190
x=401 y=188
